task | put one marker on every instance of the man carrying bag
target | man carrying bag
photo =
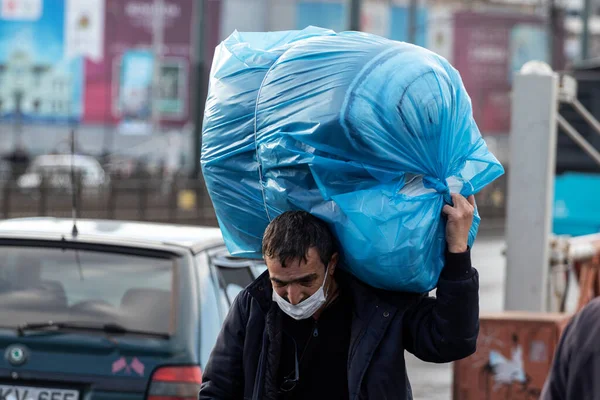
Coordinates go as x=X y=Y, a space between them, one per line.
x=307 y=329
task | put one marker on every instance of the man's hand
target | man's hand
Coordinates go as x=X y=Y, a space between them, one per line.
x=460 y=219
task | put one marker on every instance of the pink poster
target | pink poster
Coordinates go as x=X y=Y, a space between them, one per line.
x=119 y=87
x=489 y=48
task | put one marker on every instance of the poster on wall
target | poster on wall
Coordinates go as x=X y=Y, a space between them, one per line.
x=173 y=78
x=134 y=105
x=134 y=86
x=488 y=49
x=84 y=28
x=38 y=82
x=116 y=92
x=527 y=42
x=21 y=10
x=72 y=61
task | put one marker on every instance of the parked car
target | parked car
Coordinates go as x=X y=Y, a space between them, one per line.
x=114 y=310
x=56 y=169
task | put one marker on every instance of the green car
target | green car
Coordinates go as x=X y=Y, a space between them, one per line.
x=111 y=310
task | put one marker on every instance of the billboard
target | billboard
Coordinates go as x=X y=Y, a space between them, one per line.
x=119 y=88
x=38 y=81
x=21 y=9
x=93 y=61
x=488 y=49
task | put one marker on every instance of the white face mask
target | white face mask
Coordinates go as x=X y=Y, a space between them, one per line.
x=306 y=308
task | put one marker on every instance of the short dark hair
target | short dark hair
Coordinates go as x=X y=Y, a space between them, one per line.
x=289 y=237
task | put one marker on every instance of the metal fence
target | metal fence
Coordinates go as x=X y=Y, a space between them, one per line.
x=182 y=201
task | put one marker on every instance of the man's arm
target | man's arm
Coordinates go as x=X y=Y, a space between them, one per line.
x=445 y=328
x=223 y=377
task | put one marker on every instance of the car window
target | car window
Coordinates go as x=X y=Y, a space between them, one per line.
x=38 y=284
x=233 y=280
x=233 y=274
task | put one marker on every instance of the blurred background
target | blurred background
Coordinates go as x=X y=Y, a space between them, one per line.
x=128 y=78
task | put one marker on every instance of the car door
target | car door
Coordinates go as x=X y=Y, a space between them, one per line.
x=221 y=278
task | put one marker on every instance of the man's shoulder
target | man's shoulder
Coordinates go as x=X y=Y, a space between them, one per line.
x=588 y=319
x=261 y=281
x=592 y=309
x=584 y=329
x=259 y=290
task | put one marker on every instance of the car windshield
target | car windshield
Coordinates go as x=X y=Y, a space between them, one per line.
x=40 y=284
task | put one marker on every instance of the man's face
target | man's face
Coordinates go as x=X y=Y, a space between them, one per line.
x=300 y=279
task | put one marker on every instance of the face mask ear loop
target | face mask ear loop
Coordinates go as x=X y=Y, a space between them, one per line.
x=325 y=280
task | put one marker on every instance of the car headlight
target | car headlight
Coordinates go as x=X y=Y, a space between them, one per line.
x=29 y=181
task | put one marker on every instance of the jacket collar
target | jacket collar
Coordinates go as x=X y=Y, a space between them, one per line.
x=373 y=310
x=262 y=291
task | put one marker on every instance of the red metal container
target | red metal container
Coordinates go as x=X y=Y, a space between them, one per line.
x=513 y=358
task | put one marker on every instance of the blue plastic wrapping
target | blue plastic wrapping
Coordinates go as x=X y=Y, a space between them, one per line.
x=369 y=134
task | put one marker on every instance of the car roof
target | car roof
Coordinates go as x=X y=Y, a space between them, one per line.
x=126 y=233
x=49 y=160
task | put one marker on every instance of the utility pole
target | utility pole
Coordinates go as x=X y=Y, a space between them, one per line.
x=412 y=21
x=201 y=86
x=585 y=32
x=552 y=32
x=355 y=7
x=18 y=129
x=158 y=34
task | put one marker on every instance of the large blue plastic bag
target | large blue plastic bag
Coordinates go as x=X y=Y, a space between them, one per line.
x=228 y=147
x=371 y=135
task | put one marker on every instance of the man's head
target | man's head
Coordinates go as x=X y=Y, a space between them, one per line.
x=298 y=249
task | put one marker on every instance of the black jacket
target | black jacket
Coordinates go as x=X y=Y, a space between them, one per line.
x=245 y=359
x=575 y=372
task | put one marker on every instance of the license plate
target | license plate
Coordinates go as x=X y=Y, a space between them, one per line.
x=8 y=392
